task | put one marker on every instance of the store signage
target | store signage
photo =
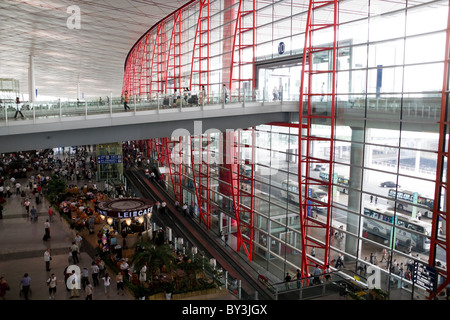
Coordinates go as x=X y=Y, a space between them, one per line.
x=124 y=214
x=124 y=208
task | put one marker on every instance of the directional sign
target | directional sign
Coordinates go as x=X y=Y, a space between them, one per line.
x=281 y=48
x=110 y=159
x=424 y=275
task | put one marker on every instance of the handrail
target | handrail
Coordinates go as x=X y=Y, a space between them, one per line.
x=426 y=108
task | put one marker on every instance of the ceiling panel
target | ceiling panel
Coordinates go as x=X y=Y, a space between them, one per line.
x=92 y=55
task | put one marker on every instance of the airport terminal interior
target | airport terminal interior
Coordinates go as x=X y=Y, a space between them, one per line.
x=300 y=135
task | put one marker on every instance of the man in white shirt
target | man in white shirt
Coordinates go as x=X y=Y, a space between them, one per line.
x=73 y=281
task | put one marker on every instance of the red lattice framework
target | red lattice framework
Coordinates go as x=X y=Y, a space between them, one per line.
x=308 y=117
x=442 y=196
x=200 y=164
x=243 y=52
x=199 y=76
x=242 y=177
x=154 y=64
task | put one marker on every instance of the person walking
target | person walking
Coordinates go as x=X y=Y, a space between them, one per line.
x=46 y=230
x=125 y=101
x=47 y=259
x=119 y=281
x=33 y=214
x=287 y=279
x=84 y=277
x=18 y=108
x=50 y=214
x=88 y=290
x=95 y=271
x=339 y=262
x=51 y=283
x=75 y=250
x=73 y=280
x=25 y=286
x=316 y=273
x=225 y=94
x=101 y=268
x=106 y=283
x=299 y=279
x=27 y=206
x=4 y=286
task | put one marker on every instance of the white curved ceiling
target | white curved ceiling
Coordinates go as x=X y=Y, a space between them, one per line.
x=92 y=55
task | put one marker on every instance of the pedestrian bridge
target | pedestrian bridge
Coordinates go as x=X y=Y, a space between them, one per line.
x=56 y=124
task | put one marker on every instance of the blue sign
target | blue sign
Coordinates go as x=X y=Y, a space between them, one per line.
x=281 y=48
x=111 y=159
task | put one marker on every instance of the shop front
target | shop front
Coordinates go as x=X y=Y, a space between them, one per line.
x=127 y=223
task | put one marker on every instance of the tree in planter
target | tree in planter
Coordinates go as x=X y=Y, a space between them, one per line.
x=56 y=188
x=155 y=256
x=194 y=268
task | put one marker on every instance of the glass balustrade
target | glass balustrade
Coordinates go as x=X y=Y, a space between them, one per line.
x=377 y=106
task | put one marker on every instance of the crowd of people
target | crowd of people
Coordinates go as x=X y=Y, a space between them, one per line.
x=26 y=176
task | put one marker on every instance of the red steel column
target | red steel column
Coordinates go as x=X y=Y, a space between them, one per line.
x=307 y=117
x=240 y=57
x=442 y=178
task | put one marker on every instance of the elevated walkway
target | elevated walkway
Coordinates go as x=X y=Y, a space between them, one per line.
x=54 y=124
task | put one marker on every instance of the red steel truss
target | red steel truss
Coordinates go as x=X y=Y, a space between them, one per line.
x=173 y=71
x=200 y=53
x=169 y=155
x=159 y=60
x=174 y=163
x=309 y=93
x=243 y=52
x=243 y=187
x=442 y=195
x=200 y=158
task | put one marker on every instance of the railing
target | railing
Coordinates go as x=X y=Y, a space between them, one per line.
x=304 y=289
x=422 y=107
x=113 y=105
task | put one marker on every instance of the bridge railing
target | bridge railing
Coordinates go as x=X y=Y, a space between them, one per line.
x=418 y=107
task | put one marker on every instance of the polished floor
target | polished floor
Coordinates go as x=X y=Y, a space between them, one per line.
x=22 y=251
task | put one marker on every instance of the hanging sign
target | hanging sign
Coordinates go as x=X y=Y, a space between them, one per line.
x=281 y=48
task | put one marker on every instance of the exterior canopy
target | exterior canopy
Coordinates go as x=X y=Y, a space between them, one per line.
x=125 y=208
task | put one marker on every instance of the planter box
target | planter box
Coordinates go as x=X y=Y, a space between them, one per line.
x=200 y=295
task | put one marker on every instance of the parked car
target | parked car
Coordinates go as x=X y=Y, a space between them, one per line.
x=389 y=184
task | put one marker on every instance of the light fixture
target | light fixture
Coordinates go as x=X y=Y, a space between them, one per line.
x=128 y=221
x=109 y=220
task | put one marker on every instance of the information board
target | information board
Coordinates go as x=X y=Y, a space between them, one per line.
x=424 y=275
x=109 y=159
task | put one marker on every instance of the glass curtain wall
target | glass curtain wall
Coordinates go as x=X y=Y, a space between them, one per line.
x=389 y=83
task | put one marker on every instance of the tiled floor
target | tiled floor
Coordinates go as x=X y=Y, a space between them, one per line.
x=22 y=251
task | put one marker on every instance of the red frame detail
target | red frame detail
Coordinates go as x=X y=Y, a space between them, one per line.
x=306 y=118
x=200 y=174
x=243 y=196
x=200 y=45
x=240 y=45
x=441 y=179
